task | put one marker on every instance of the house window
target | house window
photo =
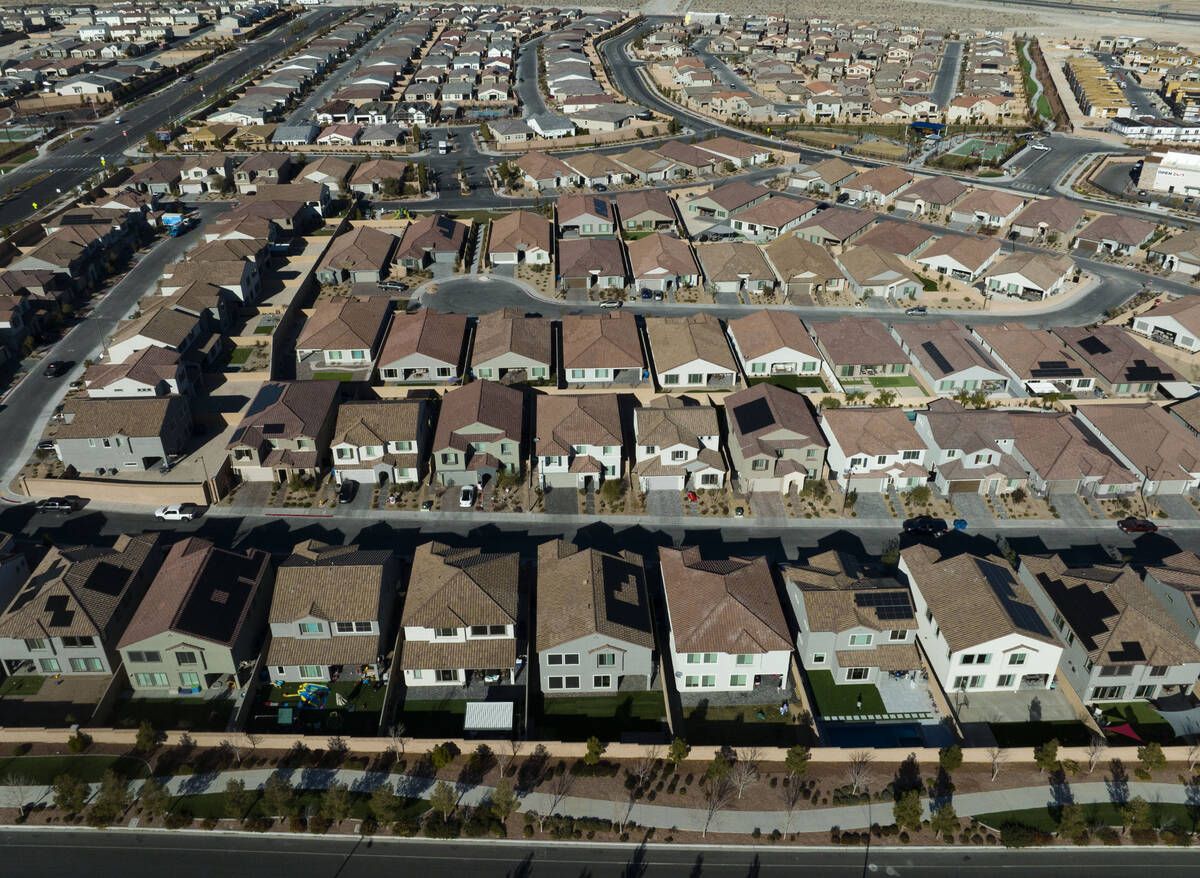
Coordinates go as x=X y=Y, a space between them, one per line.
x=758 y=368
x=606 y=660
x=449 y=459
x=310 y=672
x=447 y=675
x=49 y=666
x=897 y=634
x=601 y=373
x=78 y=642
x=691 y=682
x=1108 y=693
x=861 y=639
x=1017 y=658
x=86 y=664
x=745 y=659
x=343 y=627
x=695 y=378
x=578 y=373
x=979 y=658
x=312 y=627
x=679 y=455
x=1157 y=671
x=185 y=658
x=1059 y=621
x=910 y=455
x=737 y=679
x=1116 y=671
x=1004 y=681
x=144 y=681
x=488 y=630
x=344 y=453
x=445 y=632
x=759 y=465
x=708 y=479
x=33 y=644
x=857 y=673
x=707 y=681
x=670 y=379
x=189 y=680
x=818 y=658
x=1145 y=691
x=443 y=372
x=601 y=681
x=145 y=657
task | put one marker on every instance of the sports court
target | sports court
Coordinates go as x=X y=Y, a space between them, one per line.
x=986 y=150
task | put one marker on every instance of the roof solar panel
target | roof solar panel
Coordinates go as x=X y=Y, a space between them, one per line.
x=1143 y=371
x=57 y=606
x=1003 y=585
x=266 y=397
x=938 y=359
x=753 y=416
x=1093 y=345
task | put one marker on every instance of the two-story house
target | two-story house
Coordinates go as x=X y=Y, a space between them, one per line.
x=578 y=440
x=332 y=615
x=461 y=618
x=969 y=451
x=774 y=441
x=285 y=431
x=594 y=634
x=122 y=434
x=480 y=432
x=1120 y=642
x=511 y=347
x=977 y=624
x=1175 y=581
x=201 y=623
x=677 y=446
x=873 y=449
x=381 y=442
x=725 y=627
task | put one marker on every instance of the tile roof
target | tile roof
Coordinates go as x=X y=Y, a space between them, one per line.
x=1148 y=436
x=1057 y=214
x=895 y=237
x=733 y=195
x=113 y=416
x=581 y=257
x=769 y=330
x=659 y=254
x=944 y=347
x=731 y=261
x=378 y=421
x=565 y=420
x=939 y=190
x=727 y=605
x=334 y=583
x=871 y=431
x=427 y=332
x=287 y=410
x=968 y=250
x=672 y=420
x=457 y=588
x=601 y=341
x=1033 y=354
x=363 y=249
x=148 y=366
x=989 y=201
x=677 y=341
x=520 y=230
x=474 y=655
x=342 y=324
x=492 y=405
x=1059 y=448
x=507 y=331
x=586 y=591
x=863 y=341
x=1044 y=269
x=765 y=419
x=435 y=233
x=1115 y=227
x=1114 y=354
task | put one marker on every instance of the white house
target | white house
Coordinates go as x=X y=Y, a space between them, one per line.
x=977 y=624
x=1175 y=323
x=773 y=342
x=381 y=441
x=872 y=449
x=578 y=440
x=690 y=353
x=677 y=446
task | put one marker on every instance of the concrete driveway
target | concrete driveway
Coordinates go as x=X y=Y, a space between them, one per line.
x=1177 y=506
x=1071 y=509
x=974 y=509
x=662 y=503
x=872 y=505
x=562 y=501
x=768 y=504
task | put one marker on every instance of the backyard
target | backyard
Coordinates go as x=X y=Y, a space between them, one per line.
x=22 y=685
x=189 y=714
x=350 y=708
x=738 y=725
x=798 y=383
x=577 y=718
x=439 y=718
x=1146 y=721
x=844 y=700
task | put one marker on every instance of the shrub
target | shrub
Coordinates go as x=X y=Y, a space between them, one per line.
x=527 y=831
x=180 y=819
x=78 y=742
x=1144 y=836
x=22 y=749
x=208 y=823
x=1021 y=835
x=442 y=755
x=1108 y=835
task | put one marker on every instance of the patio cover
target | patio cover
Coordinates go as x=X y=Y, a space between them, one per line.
x=488 y=716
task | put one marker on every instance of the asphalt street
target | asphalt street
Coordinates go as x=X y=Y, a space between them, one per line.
x=201 y=855
x=74 y=162
x=946 y=82
x=529 y=95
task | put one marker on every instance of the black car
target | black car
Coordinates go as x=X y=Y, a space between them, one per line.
x=65 y=505
x=348 y=491
x=1132 y=525
x=926 y=524
x=58 y=368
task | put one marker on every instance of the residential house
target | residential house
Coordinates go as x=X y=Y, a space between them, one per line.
x=874 y=271
x=1155 y=446
x=662 y=262
x=68 y=616
x=735 y=266
x=541 y=172
x=361 y=256
x=382 y=442
x=332 y=614
x=584 y=215
x=425 y=347
x=978 y=626
x=1048 y=219
x=285 y=431
x=432 y=240
x=1037 y=358
x=774 y=441
x=461 y=618
x=1028 y=274
x=512 y=348
x=964 y=257
x=771 y=342
x=725 y=627
x=578 y=440
x=152 y=371
x=343 y=335
x=969 y=451
x=726 y=200
x=948 y=360
x=878 y=186
x=645 y=209
x=201 y=624
x=602 y=348
x=1122 y=366
x=591 y=263
x=520 y=236
x=1121 y=643
x=1175 y=322
x=1175 y=581
x=835 y=226
x=989 y=208
x=594 y=633
x=931 y=196
x=859 y=347
x=804 y=269
x=379 y=176
x=769 y=219
x=122 y=434
x=690 y=353
x=825 y=177
x=1178 y=253
x=480 y=433
x=677 y=446
x=1062 y=456
x=1113 y=234
x=873 y=449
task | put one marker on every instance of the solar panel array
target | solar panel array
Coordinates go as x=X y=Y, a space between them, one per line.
x=1003 y=585
x=887 y=605
x=56 y=606
x=938 y=358
x=753 y=416
x=1055 y=369
x=1093 y=345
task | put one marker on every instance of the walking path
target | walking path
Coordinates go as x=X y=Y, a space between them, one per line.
x=1033 y=75
x=660 y=816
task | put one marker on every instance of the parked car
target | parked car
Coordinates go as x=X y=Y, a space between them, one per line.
x=612 y=303
x=916 y=309
x=467 y=498
x=426 y=505
x=58 y=368
x=1133 y=525
x=348 y=491
x=65 y=505
x=46 y=445
x=393 y=285
x=1040 y=147
x=926 y=524
x=646 y=294
x=177 y=512
x=658 y=295
x=600 y=187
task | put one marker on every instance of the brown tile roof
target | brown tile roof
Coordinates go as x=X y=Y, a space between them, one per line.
x=969 y=250
x=493 y=405
x=1112 y=612
x=542 y=166
x=435 y=233
x=728 y=605
x=363 y=249
x=508 y=331
x=1044 y=269
x=473 y=655
x=1058 y=448
x=884 y=179
x=737 y=194
x=344 y=324
x=457 y=588
x=734 y=261
x=565 y=420
x=1147 y=435
x=586 y=591
x=349 y=651
x=832 y=170
x=520 y=230
x=871 y=431
x=837 y=223
x=114 y=416
x=974 y=598
x=635 y=202
x=571 y=207
x=148 y=366
x=378 y=169
x=767 y=330
x=797 y=259
x=895 y=237
x=867 y=265
x=1058 y=214
x=685 y=154
x=601 y=341
x=1027 y=351
x=428 y=332
x=1111 y=352
x=939 y=190
x=661 y=251
x=201 y=591
x=291 y=409
x=580 y=257
x=789 y=422
x=671 y=420
x=1115 y=227
x=778 y=211
x=957 y=349
x=334 y=583
x=377 y=422
x=989 y=201
x=885 y=656
x=75 y=592
x=677 y=341
x=861 y=341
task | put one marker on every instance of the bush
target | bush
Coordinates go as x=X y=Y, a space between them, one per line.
x=407 y=826
x=78 y=742
x=209 y=823
x=1144 y=836
x=180 y=819
x=22 y=749
x=437 y=826
x=1108 y=835
x=527 y=831
x=1021 y=835
x=442 y=755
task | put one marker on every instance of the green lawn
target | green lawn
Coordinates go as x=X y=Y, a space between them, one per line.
x=1145 y=720
x=190 y=714
x=434 y=719
x=894 y=381
x=928 y=285
x=333 y=376
x=1069 y=732
x=988 y=151
x=576 y=718
x=214 y=805
x=265 y=330
x=754 y=724
x=990 y=174
x=85 y=766
x=359 y=715
x=22 y=684
x=792 y=382
x=842 y=700
x=239 y=356
x=1164 y=814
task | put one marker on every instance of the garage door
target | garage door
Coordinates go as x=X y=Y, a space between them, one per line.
x=662 y=483
x=964 y=487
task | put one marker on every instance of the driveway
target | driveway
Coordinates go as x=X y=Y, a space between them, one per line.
x=872 y=505
x=767 y=504
x=974 y=509
x=662 y=503
x=1071 y=509
x=562 y=501
x=1177 y=506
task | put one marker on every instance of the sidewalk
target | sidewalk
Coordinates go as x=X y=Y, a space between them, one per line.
x=661 y=816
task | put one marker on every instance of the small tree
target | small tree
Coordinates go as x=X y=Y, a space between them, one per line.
x=1072 y=823
x=796 y=761
x=399 y=733
x=950 y=758
x=944 y=821
x=1096 y=747
x=884 y=399
x=504 y=800
x=906 y=810
x=791 y=793
x=70 y=793
x=279 y=799
x=718 y=795
x=147 y=737
x=441 y=756
x=238 y=799
x=1135 y=814
x=997 y=756
x=443 y=799
x=154 y=798
x=595 y=750
x=719 y=767
x=384 y=805
x=745 y=769
x=1152 y=756
x=17 y=791
x=560 y=787
x=1193 y=755
x=335 y=803
x=112 y=801
x=857 y=766
x=678 y=751
x=920 y=495
x=1045 y=756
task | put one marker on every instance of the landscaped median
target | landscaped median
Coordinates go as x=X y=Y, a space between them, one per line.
x=555 y=791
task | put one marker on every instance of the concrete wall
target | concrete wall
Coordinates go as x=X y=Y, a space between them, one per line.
x=114 y=491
